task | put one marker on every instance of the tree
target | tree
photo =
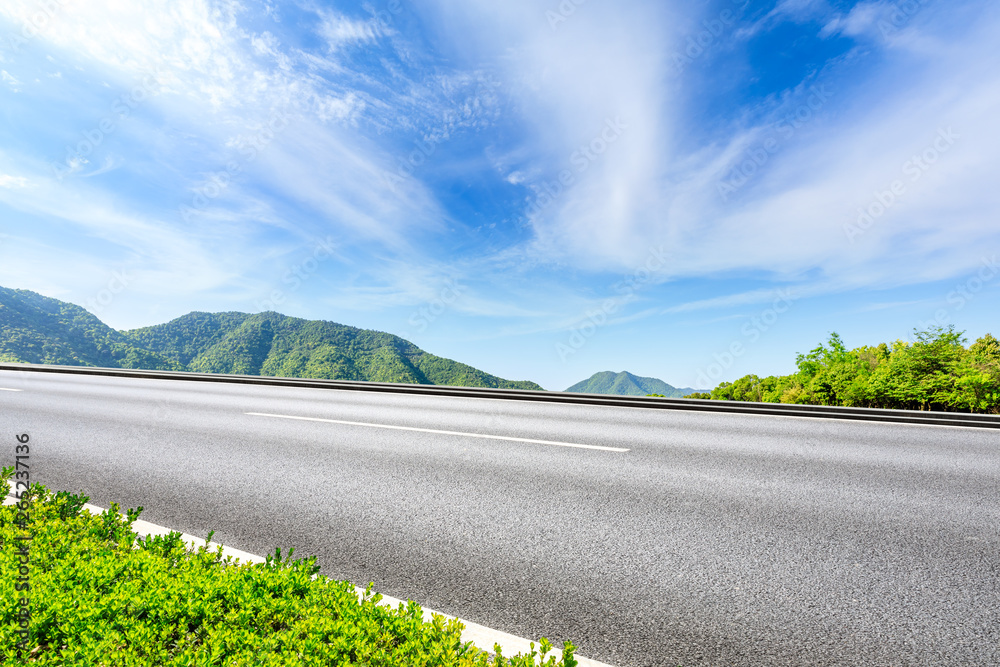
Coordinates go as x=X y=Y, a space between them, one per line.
x=978 y=385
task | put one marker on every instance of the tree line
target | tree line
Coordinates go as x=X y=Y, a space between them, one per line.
x=935 y=371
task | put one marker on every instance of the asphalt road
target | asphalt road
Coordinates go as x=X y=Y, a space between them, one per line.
x=714 y=540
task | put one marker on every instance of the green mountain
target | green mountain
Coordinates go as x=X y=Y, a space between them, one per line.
x=40 y=330
x=626 y=384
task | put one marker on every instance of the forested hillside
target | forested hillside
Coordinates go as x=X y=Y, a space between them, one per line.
x=277 y=345
x=41 y=330
x=934 y=372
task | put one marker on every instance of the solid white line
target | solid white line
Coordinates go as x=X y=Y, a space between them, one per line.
x=6 y=389
x=431 y=430
x=482 y=637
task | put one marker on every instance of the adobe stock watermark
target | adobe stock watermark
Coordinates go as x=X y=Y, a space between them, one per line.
x=425 y=148
x=297 y=275
x=914 y=169
x=383 y=19
x=35 y=24
x=216 y=183
x=626 y=288
x=581 y=159
x=424 y=316
x=562 y=13
x=712 y=31
x=20 y=546
x=117 y=284
x=121 y=108
x=751 y=331
x=899 y=15
x=785 y=128
x=965 y=292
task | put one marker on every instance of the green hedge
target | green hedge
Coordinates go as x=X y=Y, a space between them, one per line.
x=99 y=596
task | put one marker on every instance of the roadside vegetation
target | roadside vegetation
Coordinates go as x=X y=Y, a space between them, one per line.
x=98 y=596
x=933 y=372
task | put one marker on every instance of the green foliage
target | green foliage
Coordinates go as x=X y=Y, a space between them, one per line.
x=934 y=372
x=183 y=339
x=977 y=387
x=101 y=597
x=36 y=329
x=439 y=370
x=241 y=351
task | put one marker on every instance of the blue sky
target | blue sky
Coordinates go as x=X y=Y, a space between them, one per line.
x=542 y=189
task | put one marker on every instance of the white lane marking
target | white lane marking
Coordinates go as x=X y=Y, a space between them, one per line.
x=431 y=430
x=6 y=389
x=481 y=636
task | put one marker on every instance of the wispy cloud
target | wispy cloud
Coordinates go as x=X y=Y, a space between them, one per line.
x=791 y=220
x=566 y=91
x=340 y=31
x=11 y=81
x=536 y=162
x=8 y=181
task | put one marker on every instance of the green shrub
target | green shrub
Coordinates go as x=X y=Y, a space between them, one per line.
x=100 y=597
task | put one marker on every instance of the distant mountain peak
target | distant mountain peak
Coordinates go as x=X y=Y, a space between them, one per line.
x=628 y=384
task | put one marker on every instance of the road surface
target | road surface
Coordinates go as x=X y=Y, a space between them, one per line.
x=647 y=537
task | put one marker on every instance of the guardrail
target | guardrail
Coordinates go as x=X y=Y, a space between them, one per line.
x=651 y=403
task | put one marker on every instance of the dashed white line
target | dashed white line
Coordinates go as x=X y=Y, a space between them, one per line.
x=6 y=389
x=432 y=430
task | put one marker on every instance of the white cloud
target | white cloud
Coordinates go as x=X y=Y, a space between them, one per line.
x=219 y=84
x=602 y=63
x=559 y=88
x=110 y=163
x=788 y=222
x=340 y=31
x=794 y=215
x=8 y=181
x=795 y=10
x=861 y=20
x=100 y=216
x=800 y=8
x=10 y=80
x=266 y=44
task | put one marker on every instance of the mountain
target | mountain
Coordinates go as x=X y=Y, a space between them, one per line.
x=626 y=384
x=38 y=330
x=41 y=330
